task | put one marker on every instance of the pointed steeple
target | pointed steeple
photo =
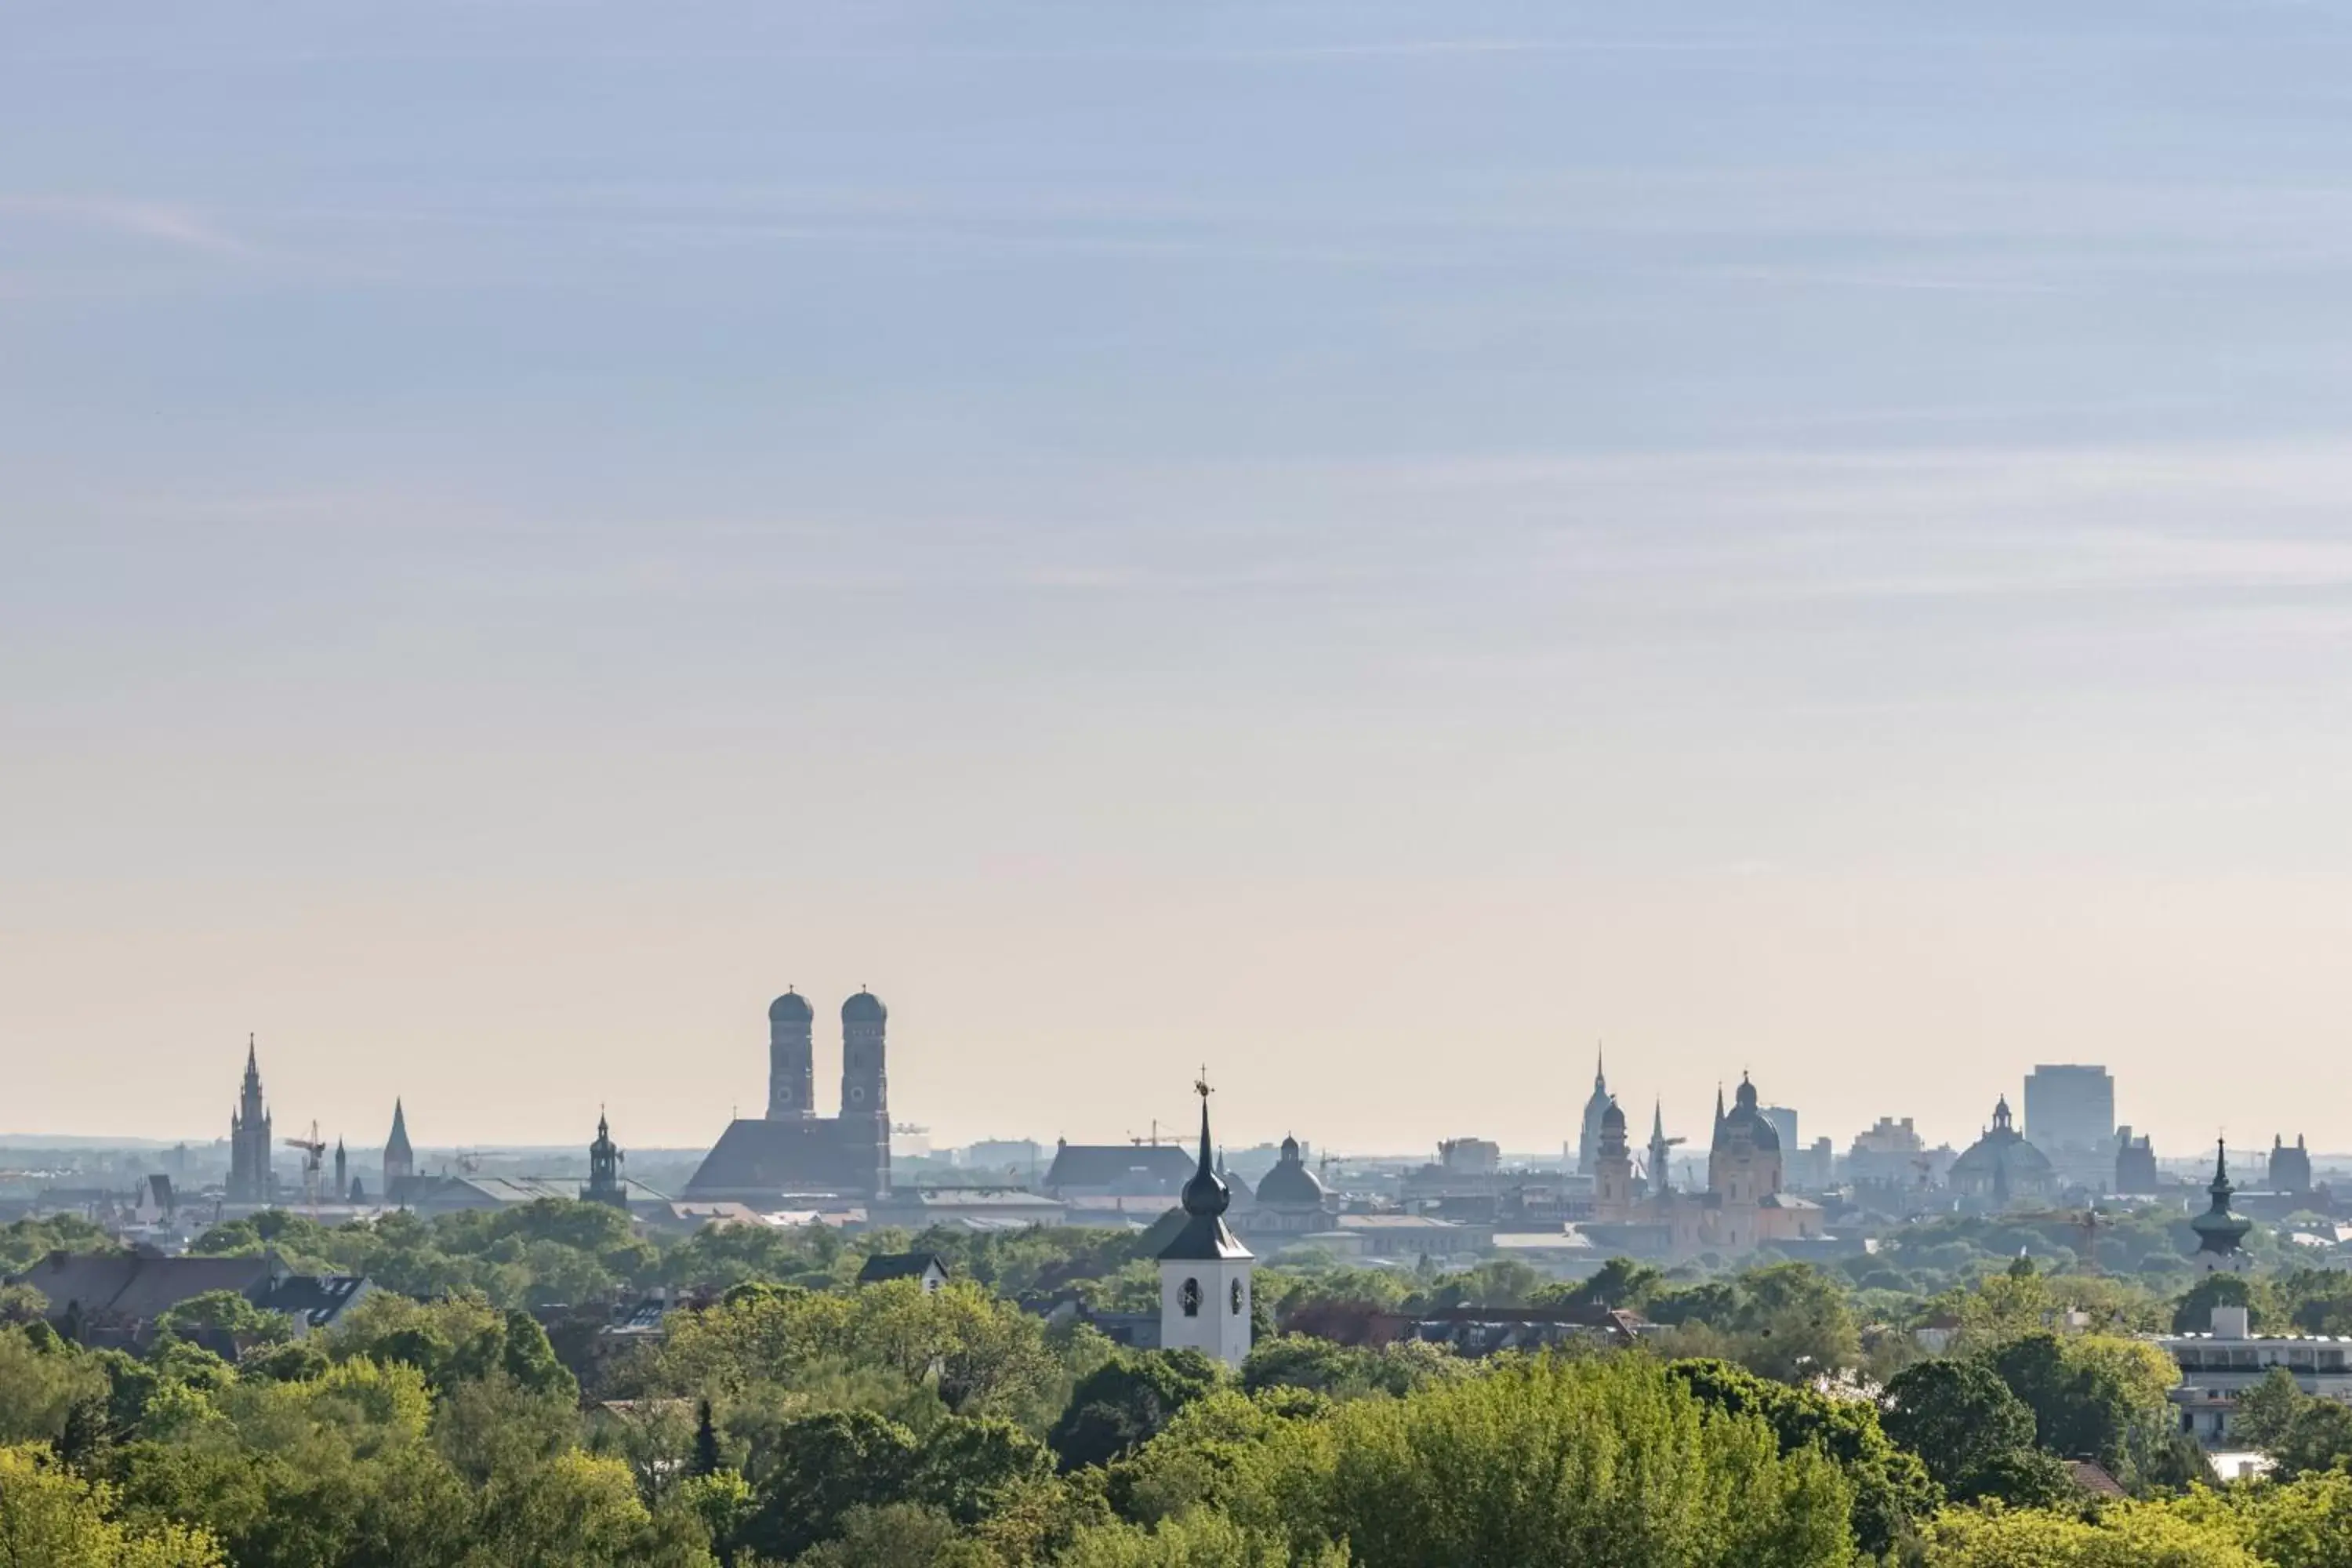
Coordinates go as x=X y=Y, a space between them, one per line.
x=1657 y=1121
x=1599 y=1076
x=1205 y=1193
x=1205 y=1197
x=2218 y=1230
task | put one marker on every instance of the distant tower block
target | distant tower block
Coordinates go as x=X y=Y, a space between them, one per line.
x=791 y=1058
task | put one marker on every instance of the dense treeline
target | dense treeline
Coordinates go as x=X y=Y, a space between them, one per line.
x=794 y=1417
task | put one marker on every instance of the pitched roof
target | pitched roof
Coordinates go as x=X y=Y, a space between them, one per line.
x=139 y=1289
x=315 y=1298
x=2093 y=1478
x=771 y=1158
x=899 y=1265
x=1204 y=1238
x=1140 y=1168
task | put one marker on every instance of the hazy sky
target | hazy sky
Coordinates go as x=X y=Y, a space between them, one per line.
x=1372 y=545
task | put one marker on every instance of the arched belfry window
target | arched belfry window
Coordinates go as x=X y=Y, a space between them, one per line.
x=1188 y=1296
x=1237 y=1298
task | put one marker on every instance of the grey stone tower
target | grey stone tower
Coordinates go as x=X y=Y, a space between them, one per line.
x=865 y=1084
x=251 y=1178
x=791 y=1058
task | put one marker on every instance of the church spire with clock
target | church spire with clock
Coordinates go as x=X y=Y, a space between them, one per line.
x=1204 y=1271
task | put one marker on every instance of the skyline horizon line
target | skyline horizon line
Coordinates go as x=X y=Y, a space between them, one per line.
x=1933 y=1137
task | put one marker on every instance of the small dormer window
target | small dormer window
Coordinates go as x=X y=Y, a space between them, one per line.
x=1188 y=1297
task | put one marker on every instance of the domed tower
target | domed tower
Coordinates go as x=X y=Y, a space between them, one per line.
x=1613 y=1169
x=604 y=1158
x=1744 y=1166
x=791 y=1058
x=1290 y=1197
x=1588 y=1143
x=866 y=1084
x=2221 y=1235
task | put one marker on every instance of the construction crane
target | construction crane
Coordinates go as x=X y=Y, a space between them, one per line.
x=314 y=1150
x=2091 y=1222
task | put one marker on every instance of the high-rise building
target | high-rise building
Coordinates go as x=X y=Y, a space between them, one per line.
x=2070 y=1108
x=1784 y=1121
x=2135 y=1163
x=251 y=1179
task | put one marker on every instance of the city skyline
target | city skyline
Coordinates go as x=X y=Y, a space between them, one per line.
x=1812 y=1127
x=1374 y=545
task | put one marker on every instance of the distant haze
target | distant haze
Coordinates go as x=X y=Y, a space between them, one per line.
x=1370 y=546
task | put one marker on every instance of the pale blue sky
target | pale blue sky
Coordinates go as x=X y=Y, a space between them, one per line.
x=1370 y=544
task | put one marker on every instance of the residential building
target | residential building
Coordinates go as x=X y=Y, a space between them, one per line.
x=926 y=1268
x=2219 y=1366
x=115 y=1298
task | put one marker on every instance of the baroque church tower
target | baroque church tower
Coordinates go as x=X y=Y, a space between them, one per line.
x=1613 y=1169
x=604 y=1158
x=250 y=1177
x=1588 y=1146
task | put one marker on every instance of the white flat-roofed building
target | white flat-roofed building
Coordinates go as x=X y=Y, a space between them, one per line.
x=2218 y=1367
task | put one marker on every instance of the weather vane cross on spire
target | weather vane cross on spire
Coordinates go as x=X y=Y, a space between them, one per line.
x=1200 y=1085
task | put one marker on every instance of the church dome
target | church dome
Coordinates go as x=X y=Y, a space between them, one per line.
x=863 y=1008
x=792 y=1007
x=1614 y=1117
x=1290 y=1184
x=1744 y=1115
x=2001 y=1156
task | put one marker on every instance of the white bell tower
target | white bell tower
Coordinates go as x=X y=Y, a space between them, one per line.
x=1204 y=1273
